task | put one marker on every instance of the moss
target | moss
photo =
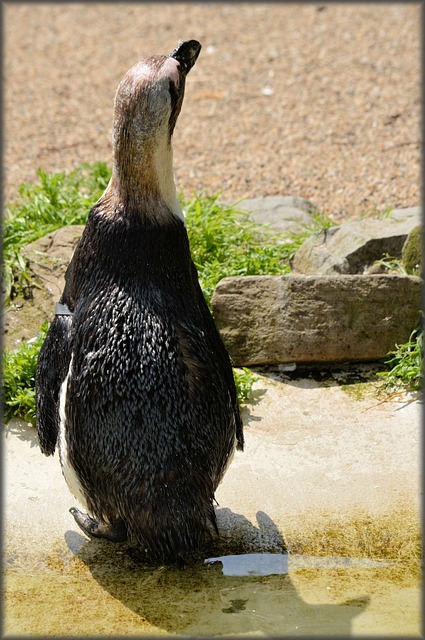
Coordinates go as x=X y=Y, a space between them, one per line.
x=389 y=535
x=360 y=390
x=412 y=252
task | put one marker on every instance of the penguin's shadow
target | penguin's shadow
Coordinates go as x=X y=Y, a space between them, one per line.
x=23 y=431
x=200 y=600
x=248 y=408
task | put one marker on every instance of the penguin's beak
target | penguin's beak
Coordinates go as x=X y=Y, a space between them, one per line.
x=186 y=54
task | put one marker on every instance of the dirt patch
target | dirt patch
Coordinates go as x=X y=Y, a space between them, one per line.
x=316 y=101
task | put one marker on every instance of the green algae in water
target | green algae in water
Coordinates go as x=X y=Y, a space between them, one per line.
x=104 y=590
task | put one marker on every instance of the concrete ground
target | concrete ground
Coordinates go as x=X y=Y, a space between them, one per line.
x=327 y=470
x=310 y=449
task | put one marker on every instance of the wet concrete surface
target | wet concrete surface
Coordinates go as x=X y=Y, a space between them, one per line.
x=324 y=474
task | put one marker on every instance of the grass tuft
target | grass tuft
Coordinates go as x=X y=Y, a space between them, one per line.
x=392 y=264
x=57 y=200
x=19 y=378
x=244 y=379
x=405 y=365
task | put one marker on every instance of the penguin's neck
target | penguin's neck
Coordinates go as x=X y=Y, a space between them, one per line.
x=143 y=177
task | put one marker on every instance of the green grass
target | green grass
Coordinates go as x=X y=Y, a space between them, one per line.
x=244 y=379
x=225 y=242
x=405 y=365
x=19 y=378
x=392 y=264
x=374 y=212
x=58 y=199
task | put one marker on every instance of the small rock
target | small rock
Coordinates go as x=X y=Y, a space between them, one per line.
x=267 y=91
x=286 y=214
x=312 y=319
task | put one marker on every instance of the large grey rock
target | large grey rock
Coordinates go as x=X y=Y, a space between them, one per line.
x=355 y=246
x=287 y=214
x=278 y=319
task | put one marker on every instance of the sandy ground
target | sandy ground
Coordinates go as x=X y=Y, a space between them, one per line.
x=318 y=101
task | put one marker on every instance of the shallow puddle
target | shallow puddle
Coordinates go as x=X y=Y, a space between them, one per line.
x=93 y=588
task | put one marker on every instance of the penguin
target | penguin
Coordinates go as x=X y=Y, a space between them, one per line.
x=134 y=385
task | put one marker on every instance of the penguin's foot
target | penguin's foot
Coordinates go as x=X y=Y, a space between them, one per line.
x=114 y=532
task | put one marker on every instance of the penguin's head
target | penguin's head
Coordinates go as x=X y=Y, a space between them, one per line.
x=150 y=95
x=147 y=104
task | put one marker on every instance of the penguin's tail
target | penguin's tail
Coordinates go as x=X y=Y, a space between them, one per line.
x=175 y=520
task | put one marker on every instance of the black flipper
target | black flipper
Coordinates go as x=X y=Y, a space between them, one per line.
x=52 y=367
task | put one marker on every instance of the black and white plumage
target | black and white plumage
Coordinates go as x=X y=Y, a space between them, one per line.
x=134 y=385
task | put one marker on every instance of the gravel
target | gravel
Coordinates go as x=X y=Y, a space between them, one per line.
x=309 y=100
